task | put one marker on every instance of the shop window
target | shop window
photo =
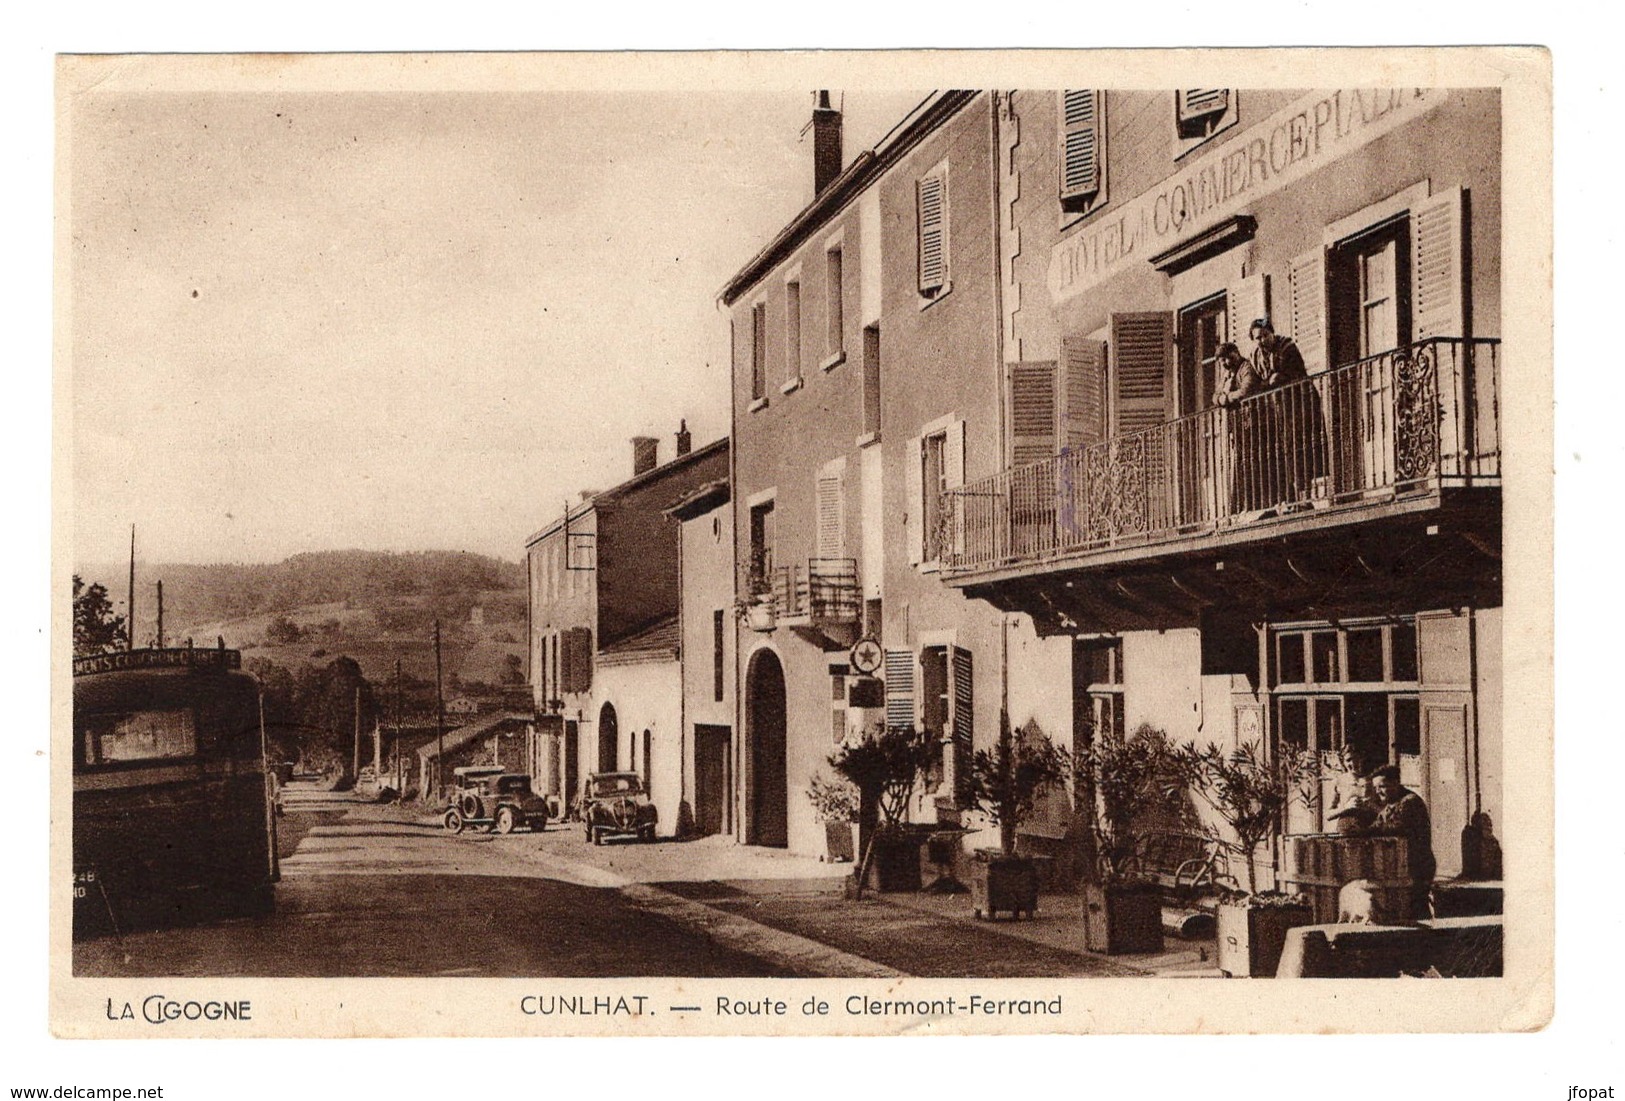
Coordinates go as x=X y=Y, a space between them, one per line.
x=1402 y=639
x=1365 y=654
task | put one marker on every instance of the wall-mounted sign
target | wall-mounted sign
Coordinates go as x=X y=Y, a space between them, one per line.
x=867 y=655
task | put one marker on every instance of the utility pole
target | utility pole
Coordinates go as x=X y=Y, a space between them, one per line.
x=355 y=767
x=129 y=610
x=160 y=615
x=439 y=721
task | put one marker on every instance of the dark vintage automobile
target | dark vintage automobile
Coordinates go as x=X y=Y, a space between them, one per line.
x=499 y=800
x=616 y=804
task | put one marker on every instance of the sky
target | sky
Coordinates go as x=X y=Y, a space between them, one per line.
x=309 y=320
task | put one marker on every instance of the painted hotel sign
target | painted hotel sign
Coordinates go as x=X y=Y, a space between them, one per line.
x=1295 y=141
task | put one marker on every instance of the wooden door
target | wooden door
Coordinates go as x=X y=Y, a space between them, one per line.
x=711 y=788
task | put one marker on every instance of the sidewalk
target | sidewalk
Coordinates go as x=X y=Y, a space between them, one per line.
x=804 y=901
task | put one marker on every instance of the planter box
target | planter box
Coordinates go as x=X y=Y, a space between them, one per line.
x=1003 y=883
x=1122 y=918
x=895 y=865
x=760 y=617
x=1251 y=937
x=839 y=844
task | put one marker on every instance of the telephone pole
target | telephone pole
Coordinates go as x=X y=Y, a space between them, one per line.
x=439 y=721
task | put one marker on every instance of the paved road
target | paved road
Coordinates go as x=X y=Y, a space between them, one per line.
x=376 y=891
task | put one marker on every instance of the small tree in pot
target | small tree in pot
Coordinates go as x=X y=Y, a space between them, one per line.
x=835 y=803
x=885 y=766
x=1120 y=779
x=1250 y=792
x=1005 y=783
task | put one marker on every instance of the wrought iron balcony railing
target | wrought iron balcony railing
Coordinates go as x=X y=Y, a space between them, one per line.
x=1408 y=421
x=822 y=590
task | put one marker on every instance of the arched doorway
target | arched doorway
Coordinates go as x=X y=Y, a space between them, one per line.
x=769 y=799
x=609 y=738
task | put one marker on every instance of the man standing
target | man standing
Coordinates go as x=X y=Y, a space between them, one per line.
x=1293 y=430
x=1402 y=813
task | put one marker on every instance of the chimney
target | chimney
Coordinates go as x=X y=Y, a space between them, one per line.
x=685 y=442
x=826 y=128
x=645 y=454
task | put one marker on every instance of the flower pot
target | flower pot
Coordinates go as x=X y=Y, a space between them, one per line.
x=760 y=616
x=1251 y=936
x=1003 y=883
x=895 y=864
x=838 y=844
x=1121 y=918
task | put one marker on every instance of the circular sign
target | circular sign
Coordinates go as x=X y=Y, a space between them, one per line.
x=867 y=656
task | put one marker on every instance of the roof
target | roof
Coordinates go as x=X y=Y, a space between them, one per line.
x=632 y=484
x=709 y=496
x=660 y=641
x=462 y=735
x=936 y=109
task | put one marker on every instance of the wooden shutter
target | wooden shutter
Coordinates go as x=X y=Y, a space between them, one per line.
x=962 y=720
x=913 y=501
x=1245 y=303
x=900 y=688
x=831 y=513
x=1437 y=273
x=1032 y=412
x=1196 y=103
x=758 y=350
x=565 y=653
x=578 y=659
x=953 y=476
x=933 y=230
x=1143 y=390
x=1080 y=400
x=1306 y=307
x=1080 y=148
x=792 y=331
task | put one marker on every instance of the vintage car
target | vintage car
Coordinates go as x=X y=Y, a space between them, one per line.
x=493 y=797
x=616 y=804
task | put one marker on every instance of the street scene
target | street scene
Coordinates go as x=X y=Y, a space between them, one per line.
x=1051 y=534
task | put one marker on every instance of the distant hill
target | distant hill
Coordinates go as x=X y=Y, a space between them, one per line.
x=373 y=606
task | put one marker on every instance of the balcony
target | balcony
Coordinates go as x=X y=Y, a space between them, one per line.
x=1389 y=435
x=819 y=599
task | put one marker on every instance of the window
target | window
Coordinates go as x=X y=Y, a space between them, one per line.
x=947 y=711
x=792 y=333
x=934 y=479
x=760 y=578
x=932 y=203
x=1082 y=151
x=835 y=307
x=1351 y=689
x=871 y=380
x=1097 y=688
x=140 y=736
x=1369 y=278
x=1201 y=331
x=1200 y=113
x=717 y=624
x=758 y=352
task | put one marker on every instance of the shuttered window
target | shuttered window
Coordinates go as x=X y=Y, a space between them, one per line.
x=1032 y=412
x=831 y=497
x=1081 y=149
x=900 y=688
x=834 y=304
x=1144 y=348
x=1306 y=307
x=1080 y=404
x=962 y=721
x=1437 y=304
x=577 y=660
x=1199 y=110
x=758 y=351
x=792 y=331
x=1246 y=302
x=932 y=194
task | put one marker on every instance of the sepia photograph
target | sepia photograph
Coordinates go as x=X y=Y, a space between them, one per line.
x=761 y=544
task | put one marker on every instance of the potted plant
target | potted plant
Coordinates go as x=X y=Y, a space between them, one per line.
x=1120 y=778
x=885 y=766
x=1005 y=783
x=1250 y=792
x=835 y=804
